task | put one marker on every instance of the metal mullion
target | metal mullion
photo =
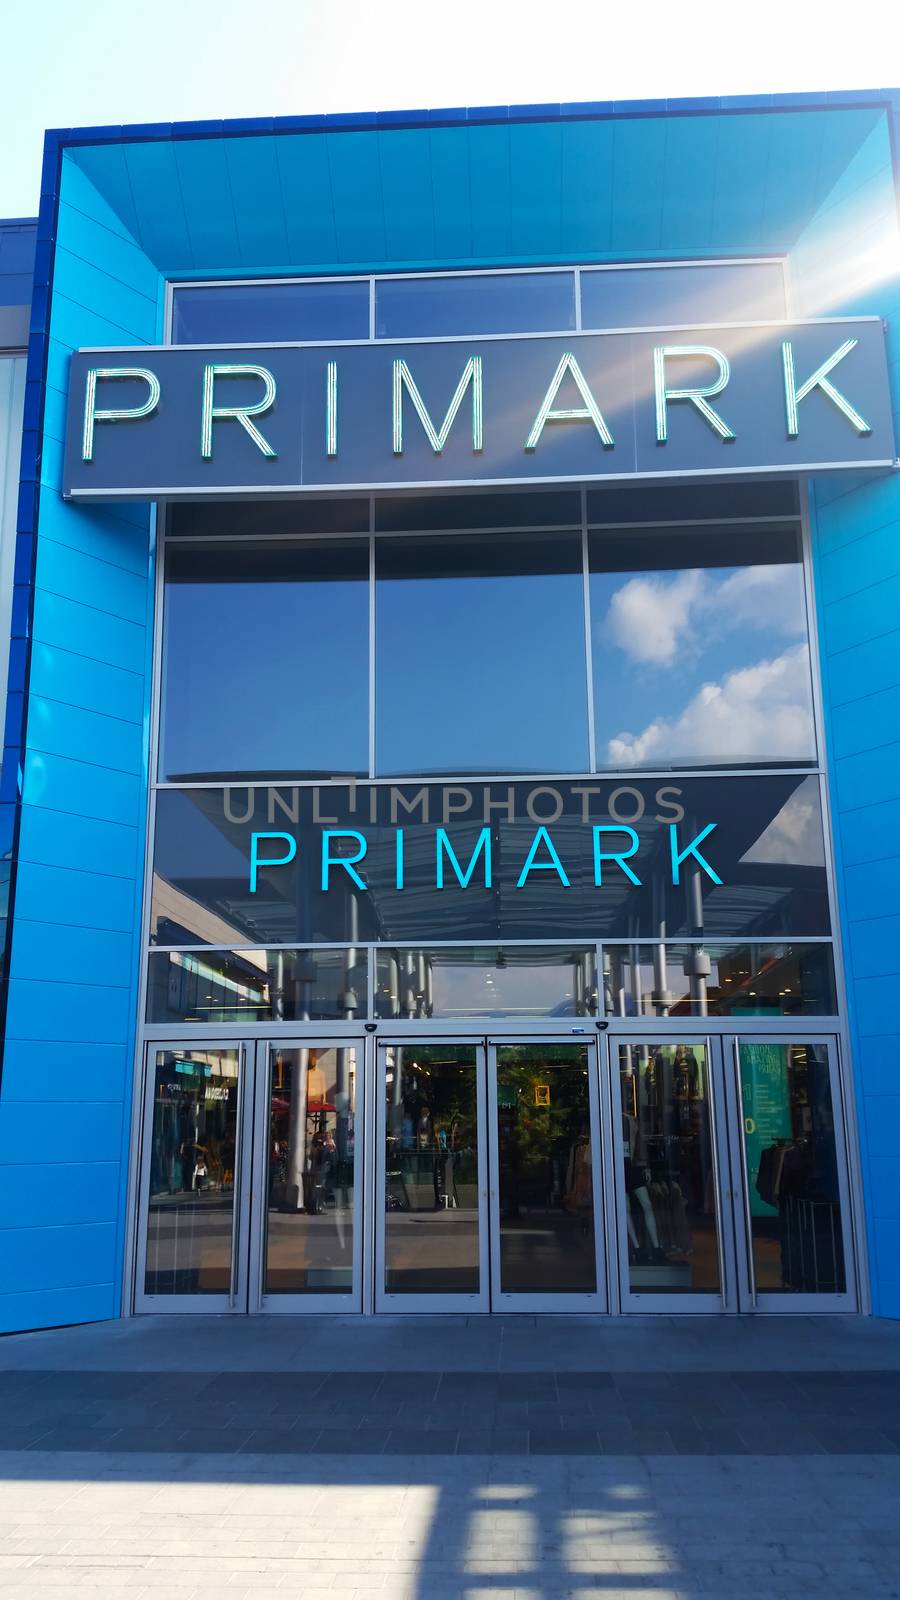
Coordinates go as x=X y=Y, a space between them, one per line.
x=257 y=1206
x=372 y=625
x=720 y=1155
x=588 y=641
x=371 y=1215
x=491 y=1194
x=610 y=1121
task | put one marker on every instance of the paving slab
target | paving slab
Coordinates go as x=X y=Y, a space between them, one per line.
x=432 y=1458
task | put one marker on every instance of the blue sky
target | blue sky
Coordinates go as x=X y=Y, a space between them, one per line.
x=106 y=62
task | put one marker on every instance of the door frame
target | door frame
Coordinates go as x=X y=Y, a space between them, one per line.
x=300 y=1302
x=235 y=1301
x=675 y=1303
x=442 y=1302
x=783 y=1301
x=596 y=1302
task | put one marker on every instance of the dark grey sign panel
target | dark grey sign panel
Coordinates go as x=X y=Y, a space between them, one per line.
x=786 y=397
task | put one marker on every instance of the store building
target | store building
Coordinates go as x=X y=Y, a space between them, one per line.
x=452 y=771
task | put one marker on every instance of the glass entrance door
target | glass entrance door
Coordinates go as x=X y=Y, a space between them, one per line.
x=307 y=1232
x=667 y=1096
x=193 y=1225
x=251 y=1189
x=544 y=1166
x=794 y=1240
x=432 y=1190
x=730 y=1174
x=488 y=1187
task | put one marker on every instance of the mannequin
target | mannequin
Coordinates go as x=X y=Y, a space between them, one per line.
x=636 y=1177
x=685 y=1074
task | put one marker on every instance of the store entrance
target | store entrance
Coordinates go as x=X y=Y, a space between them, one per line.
x=629 y=1171
x=488 y=1184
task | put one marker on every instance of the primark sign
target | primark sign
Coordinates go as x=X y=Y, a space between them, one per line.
x=189 y=421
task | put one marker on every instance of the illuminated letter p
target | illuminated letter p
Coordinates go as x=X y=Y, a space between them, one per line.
x=114 y=413
x=257 y=861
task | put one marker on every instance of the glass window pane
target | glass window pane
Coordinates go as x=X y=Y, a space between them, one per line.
x=519 y=302
x=480 y=663
x=260 y=313
x=532 y=508
x=311 y=1171
x=618 y=505
x=191 y=1159
x=431 y=1241
x=266 y=519
x=682 y=296
x=545 y=1166
x=265 y=660
x=792 y=1168
x=667 y=1175
x=214 y=884
x=521 y=981
x=700 y=648
x=254 y=985
x=752 y=980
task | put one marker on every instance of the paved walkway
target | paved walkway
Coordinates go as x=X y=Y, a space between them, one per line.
x=434 y=1458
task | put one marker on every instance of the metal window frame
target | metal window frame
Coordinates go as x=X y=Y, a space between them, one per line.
x=576 y=266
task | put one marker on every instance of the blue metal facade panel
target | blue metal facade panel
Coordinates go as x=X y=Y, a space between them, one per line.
x=484 y=187
x=72 y=960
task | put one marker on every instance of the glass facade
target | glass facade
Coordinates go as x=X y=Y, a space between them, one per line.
x=539 y=763
x=344 y=818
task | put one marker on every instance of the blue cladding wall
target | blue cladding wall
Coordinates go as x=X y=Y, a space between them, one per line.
x=444 y=189
x=65 y=1094
x=846 y=261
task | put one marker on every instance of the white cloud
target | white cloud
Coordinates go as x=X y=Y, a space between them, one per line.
x=648 y=617
x=794 y=836
x=653 y=618
x=768 y=597
x=758 y=712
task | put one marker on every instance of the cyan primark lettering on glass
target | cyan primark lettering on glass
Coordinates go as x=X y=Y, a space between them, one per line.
x=542 y=855
x=717 y=856
x=570 y=407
